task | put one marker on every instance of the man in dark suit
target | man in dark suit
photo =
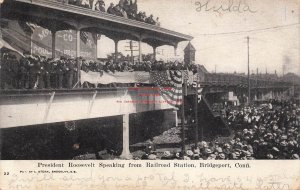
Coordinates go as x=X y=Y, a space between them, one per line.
x=100 y=6
x=110 y=9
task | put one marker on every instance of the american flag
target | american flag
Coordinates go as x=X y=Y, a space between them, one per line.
x=96 y=37
x=84 y=36
x=27 y=26
x=170 y=83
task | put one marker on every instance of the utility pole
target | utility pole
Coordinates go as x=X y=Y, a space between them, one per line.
x=196 y=116
x=183 y=116
x=249 y=92
x=256 y=76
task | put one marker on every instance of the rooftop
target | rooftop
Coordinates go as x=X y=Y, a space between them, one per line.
x=56 y=16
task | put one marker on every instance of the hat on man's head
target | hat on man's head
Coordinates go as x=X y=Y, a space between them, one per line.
x=152 y=157
x=270 y=156
x=186 y=158
x=226 y=145
x=219 y=149
x=295 y=156
x=284 y=137
x=196 y=151
x=248 y=153
x=283 y=143
x=222 y=156
x=189 y=153
x=167 y=154
x=275 y=149
x=208 y=151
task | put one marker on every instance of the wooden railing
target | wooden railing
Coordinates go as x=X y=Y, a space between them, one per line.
x=238 y=80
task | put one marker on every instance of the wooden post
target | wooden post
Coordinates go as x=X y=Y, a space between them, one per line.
x=154 y=53
x=126 y=152
x=249 y=92
x=53 y=43
x=116 y=50
x=140 y=51
x=183 y=117
x=196 y=117
x=131 y=51
x=78 y=55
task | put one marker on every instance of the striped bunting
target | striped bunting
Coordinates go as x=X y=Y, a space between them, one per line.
x=170 y=83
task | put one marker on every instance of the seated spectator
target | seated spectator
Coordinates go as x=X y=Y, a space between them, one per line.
x=85 y=4
x=74 y=2
x=100 y=6
x=118 y=11
x=157 y=21
x=150 y=20
x=124 y=13
x=85 y=66
x=131 y=9
x=110 y=9
x=139 y=16
x=144 y=16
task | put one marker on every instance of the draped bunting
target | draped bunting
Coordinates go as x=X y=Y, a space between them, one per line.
x=170 y=78
x=123 y=77
x=117 y=77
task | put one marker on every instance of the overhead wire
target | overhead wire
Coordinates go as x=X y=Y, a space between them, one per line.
x=250 y=31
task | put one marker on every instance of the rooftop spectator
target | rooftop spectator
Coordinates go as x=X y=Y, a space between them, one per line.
x=100 y=6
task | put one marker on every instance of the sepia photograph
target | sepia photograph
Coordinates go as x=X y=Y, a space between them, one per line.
x=149 y=94
x=149 y=80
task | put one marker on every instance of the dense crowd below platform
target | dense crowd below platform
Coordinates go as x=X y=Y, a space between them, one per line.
x=125 y=8
x=38 y=72
x=267 y=131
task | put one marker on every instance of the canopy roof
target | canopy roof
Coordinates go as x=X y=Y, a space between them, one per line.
x=56 y=16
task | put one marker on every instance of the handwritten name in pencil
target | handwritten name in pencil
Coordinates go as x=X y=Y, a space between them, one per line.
x=239 y=6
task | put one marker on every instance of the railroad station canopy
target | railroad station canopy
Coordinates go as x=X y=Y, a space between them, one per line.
x=55 y=16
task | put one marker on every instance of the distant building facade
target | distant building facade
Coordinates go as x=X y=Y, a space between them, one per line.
x=189 y=54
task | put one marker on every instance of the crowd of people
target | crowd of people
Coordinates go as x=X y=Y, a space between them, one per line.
x=267 y=131
x=39 y=72
x=125 y=8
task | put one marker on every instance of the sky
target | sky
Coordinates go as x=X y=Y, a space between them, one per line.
x=220 y=36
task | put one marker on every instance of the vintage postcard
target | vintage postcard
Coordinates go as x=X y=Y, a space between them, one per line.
x=150 y=94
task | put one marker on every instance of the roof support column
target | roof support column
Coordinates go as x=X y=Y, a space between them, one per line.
x=78 y=43
x=154 y=52
x=78 y=55
x=116 y=50
x=140 y=50
x=175 y=49
x=53 y=33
